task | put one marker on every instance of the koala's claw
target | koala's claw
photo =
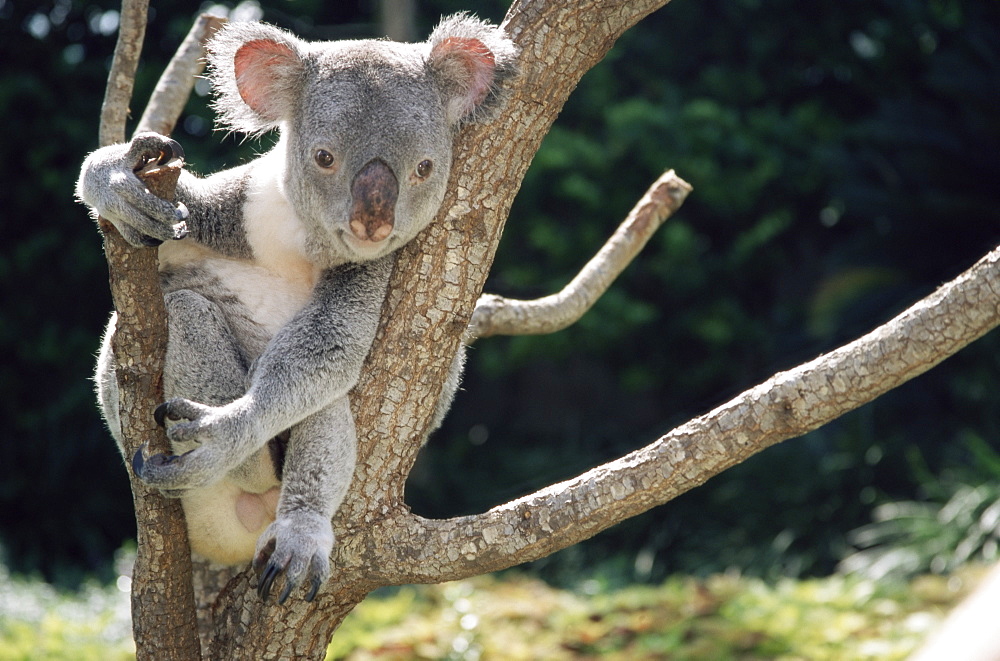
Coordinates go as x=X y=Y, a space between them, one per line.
x=299 y=549
x=160 y=414
x=266 y=578
x=150 y=147
x=143 y=467
x=316 y=582
x=266 y=582
x=139 y=459
x=157 y=148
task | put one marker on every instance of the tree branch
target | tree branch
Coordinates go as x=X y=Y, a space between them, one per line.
x=121 y=78
x=432 y=293
x=174 y=87
x=163 y=613
x=496 y=315
x=445 y=267
x=411 y=549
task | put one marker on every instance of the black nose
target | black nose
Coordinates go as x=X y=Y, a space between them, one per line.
x=374 y=192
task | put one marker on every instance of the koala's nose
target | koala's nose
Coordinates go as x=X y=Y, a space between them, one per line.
x=374 y=192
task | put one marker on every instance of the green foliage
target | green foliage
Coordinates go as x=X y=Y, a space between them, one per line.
x=958 y=525
x=514 y=617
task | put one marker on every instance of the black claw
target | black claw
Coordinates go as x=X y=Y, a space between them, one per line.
x=267 y=580
x=260 y=560
x=138 y=460
x=314 y=589
x=173 y=150
x=284 y=593
x=163 y=459
x=160 y=414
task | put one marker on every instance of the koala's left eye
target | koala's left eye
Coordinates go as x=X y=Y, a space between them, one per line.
x=424 y=169
x=324 y=159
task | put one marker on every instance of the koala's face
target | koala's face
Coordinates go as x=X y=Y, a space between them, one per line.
x=369 y=153
x=366 y=125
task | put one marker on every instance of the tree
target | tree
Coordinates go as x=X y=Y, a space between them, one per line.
x=435 y=288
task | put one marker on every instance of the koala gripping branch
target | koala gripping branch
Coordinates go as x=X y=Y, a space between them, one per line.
x=139 y=346
x=163 y=612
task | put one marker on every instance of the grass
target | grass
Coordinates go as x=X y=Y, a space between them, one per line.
x=516 y=617
x=38 y=623
x=723 y=617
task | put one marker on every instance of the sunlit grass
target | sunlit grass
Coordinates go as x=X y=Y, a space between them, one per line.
x=38 y=623
x=724 y=617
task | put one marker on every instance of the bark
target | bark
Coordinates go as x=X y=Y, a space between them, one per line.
x=163 y=611
x=496 y=315
x=433 y=291
x=409 y=549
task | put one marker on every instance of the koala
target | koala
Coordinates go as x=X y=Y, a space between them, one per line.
x=274 y=272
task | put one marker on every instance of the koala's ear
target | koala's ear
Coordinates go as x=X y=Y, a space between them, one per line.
x=255 y=70
x=469 y=59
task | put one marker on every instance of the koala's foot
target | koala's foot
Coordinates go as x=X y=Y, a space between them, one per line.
x=298 y=545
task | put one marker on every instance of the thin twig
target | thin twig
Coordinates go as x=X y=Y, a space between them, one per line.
x=496 y=315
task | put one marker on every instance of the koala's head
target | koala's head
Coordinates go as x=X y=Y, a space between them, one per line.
x=366 y=126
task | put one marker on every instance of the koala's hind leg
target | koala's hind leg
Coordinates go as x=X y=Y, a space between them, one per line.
x=319 y=466
x=205 y=363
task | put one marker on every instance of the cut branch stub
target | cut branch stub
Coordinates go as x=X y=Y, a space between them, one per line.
x=161 y=178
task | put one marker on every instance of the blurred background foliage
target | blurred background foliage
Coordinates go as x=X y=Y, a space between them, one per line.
x=845 y=161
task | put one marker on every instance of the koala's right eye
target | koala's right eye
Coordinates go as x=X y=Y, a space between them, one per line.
x=324 y=159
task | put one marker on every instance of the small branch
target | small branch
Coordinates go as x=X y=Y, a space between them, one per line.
x=174 y=87
x=121 y=79
x=411 y=549
x=495 y=315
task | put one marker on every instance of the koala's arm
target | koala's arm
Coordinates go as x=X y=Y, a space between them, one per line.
x=312 y=361
x=208 y=210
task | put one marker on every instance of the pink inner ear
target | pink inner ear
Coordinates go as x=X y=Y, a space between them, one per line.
x=478 y=61
x=255 y=64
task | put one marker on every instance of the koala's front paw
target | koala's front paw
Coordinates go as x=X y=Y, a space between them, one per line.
x=297 y=545
x=222 y=437
x=109 y=184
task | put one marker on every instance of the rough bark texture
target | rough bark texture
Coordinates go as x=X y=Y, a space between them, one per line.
x=410 y=549
x=434 y=288
x=163 y=614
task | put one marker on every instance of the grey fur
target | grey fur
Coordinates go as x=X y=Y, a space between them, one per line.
x=274 y=298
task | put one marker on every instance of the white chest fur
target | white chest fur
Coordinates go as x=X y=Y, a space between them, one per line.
x=278 y=281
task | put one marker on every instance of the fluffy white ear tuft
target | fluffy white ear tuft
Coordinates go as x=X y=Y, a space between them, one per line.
x=255 y=69
x=469 y=58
